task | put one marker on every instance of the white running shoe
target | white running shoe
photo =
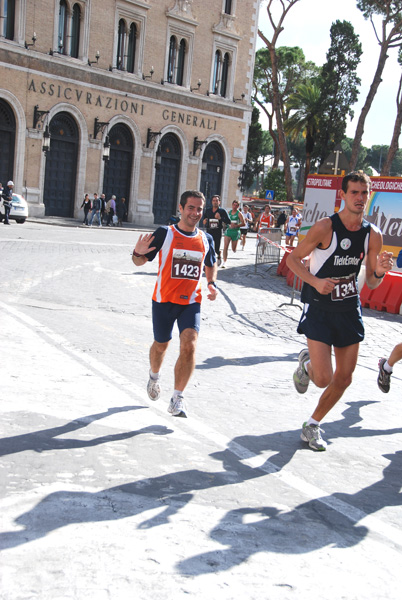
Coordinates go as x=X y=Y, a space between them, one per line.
x=177 y=408
x=153 y=389
x=312 y=435
x=300 y=376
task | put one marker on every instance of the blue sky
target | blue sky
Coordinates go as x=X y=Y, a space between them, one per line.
x=308 y=25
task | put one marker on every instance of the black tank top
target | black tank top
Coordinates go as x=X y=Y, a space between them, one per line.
x=341 y=260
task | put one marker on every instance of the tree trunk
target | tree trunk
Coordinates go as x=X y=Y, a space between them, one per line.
x=272 y=132
x=367 y=105
x=299 y=191
x=395 y=136
x=277 y=157
x=306 y=172
x=279 y=124
x=277 y=26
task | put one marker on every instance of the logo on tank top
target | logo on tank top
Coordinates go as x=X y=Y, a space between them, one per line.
x=340 y=261
x=346 y=244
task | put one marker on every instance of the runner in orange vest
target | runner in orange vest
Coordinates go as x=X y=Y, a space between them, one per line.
x=266 y=220
x=184 y=252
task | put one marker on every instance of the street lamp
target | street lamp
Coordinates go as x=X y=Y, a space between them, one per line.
x=106 y=149
x=46 y=140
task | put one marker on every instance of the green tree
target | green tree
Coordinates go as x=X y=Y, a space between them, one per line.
x=275 y=180
x=267 y=150
x=255 y=149
x=292 y=70
x=276 y=23
x=339 y=86
x=376 y=156
x=297 y=151
x=362 y=162
x=389 y=35
x=396 y=165
x=305 y=120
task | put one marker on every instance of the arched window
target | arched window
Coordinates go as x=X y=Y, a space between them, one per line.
x=176 y=61
x=217 y=72
x=61 y=39
x=75 y=31
x=132 y=40
x=225 y=75
x=120 y=45
x=221 y=74
x=228 y=7
x=9 y=19
x=180 y=62
x=172 y=59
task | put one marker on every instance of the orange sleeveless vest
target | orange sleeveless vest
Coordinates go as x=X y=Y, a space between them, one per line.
x=181 y=264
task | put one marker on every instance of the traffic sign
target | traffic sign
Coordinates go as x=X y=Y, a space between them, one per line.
x=269 y=194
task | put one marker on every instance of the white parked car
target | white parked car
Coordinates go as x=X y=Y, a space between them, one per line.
x=19 y=209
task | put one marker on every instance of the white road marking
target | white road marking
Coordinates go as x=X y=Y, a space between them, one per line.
x=200 y=428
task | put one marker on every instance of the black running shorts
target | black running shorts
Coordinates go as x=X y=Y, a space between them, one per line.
x=337 y=329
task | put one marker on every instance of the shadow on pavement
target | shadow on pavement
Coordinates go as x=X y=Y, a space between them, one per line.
x=308 y=527
x=284 y=442
x=215 y=362
x=45 y=440
x=276 y=531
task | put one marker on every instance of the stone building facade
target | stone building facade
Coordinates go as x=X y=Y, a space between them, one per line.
x=138 y=98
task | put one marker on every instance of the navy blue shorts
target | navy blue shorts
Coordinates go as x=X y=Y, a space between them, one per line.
x=165 y=314
x=337 y=329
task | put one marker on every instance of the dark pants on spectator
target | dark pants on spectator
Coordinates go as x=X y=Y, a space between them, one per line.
x=7 y=208
x=110 y=216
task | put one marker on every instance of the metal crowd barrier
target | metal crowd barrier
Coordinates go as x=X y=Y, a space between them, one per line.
x=295 y=294
x=266 y=253
x=297 y=285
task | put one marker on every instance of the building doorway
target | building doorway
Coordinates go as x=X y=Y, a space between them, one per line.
x=168 y=160
x=211 y=175
x=61 y=166
x=117 y=175
x=7 y=136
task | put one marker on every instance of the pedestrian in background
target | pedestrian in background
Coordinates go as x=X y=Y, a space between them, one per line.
x=184 y=251
x=86 y=205
x=248 y=219
x=121 y=211
x=96 y=210
x=110 y=211
x=1 y=194
x=214 y=219
x=232 y=233
x=292 y=227
x=103 y=207
x=281 y=221
x=7 y=201
x=266 y=220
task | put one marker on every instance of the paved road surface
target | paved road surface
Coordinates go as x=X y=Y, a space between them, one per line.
x=105 y=496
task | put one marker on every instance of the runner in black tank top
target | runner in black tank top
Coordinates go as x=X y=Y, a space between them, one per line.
x=331 y=315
